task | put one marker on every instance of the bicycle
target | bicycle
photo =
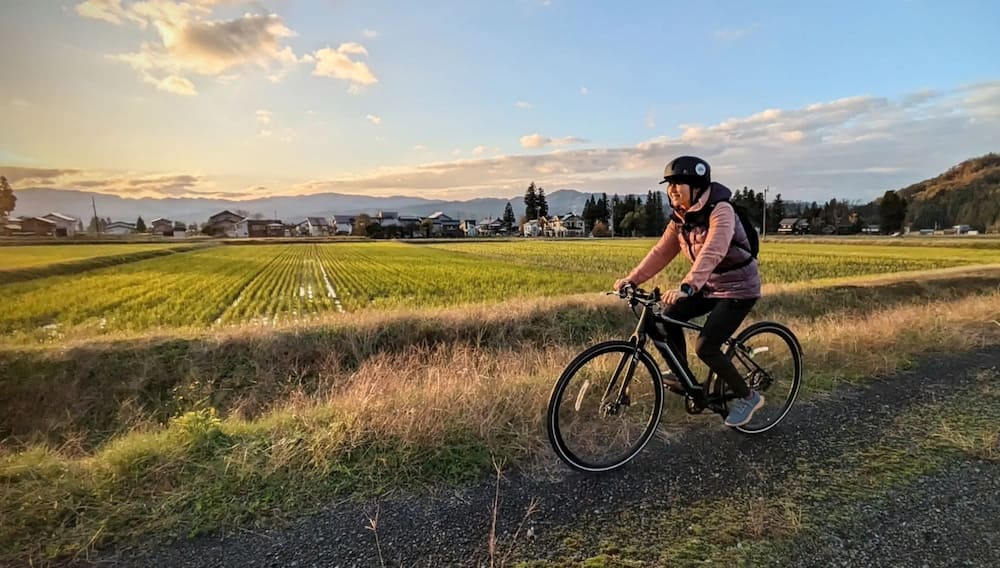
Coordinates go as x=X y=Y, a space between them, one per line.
x=594 y=406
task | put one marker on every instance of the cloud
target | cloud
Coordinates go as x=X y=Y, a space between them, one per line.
x=110 y=11
x=204 y=47
x=173 y=84
x=853 y=148
x=117 y=183
x=189 y=42
x=420 y=148
x=651 y=119
x=538 y=141
x=733 y=34
x=792 y=136
x=584 y=91
x=373 y=119
x=337 y=63
x=263 y=116
x=369 y=34
x=524 y=105
x=20 y=176
x=479 y=150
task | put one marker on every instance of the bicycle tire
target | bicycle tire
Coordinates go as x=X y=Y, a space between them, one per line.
x=553 y=421
x=771 y=333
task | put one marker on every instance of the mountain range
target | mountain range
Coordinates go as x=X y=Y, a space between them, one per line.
x=39 y=201
x=968 y=193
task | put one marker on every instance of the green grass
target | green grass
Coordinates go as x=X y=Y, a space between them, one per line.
x=19 y=257
x=294 y=283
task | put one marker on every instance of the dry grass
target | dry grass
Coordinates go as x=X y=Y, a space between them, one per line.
x=369 y=408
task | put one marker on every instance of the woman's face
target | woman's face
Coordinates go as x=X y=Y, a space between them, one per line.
x=679 y=195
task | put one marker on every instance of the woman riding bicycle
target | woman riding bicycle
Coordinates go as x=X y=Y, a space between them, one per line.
x=723 y=281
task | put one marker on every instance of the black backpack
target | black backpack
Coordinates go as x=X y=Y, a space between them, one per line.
x=701 y=218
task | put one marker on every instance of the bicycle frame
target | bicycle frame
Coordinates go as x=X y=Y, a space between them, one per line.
x=696 y=392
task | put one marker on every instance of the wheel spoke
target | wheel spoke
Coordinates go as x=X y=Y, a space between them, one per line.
x=770 y=363
x=596 y=433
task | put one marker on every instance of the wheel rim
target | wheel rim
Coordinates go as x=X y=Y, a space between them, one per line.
x=771 y=364
x=598 y=433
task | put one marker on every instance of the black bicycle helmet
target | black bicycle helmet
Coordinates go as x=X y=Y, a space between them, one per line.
x=690 y=170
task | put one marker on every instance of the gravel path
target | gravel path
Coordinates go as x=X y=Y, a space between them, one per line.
x=952 y=520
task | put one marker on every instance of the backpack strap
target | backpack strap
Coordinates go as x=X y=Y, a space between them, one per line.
x=702 y=218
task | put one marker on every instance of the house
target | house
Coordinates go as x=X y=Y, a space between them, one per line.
x=388 y=218
x=65 y=225
x=491 y=228
x=223 y=224
x=343 y=224
x=793 y=226
x=161 y=226
x=409 y=225
x=469 y=228
x=260 y=228
x=38 y=226
x=532 y=228
x=569 y=225
x=10 y=227
x=316 y=227
x=119 y=228
x=443 y=225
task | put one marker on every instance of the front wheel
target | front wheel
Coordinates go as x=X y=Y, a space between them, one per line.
x=769 y=357
x=596 y=425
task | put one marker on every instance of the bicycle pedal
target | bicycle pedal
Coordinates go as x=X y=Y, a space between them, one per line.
x=670 y=382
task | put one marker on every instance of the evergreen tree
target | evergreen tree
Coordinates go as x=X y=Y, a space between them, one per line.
x=508 y=217
x=7 y=198
x=893 y=211
x=655 y=216
x=531 y=203
x=140 y=225
x=776 y=214
x=589 y=214
x=616 y=214
x=543 y=206
x=603 y=213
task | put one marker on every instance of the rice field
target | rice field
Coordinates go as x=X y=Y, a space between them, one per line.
x=266 y=285
x=20 y=257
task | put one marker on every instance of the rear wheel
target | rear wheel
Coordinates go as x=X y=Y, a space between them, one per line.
x=594 y=426
x=769 y=358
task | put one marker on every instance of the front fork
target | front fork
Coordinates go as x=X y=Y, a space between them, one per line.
x=611 y=407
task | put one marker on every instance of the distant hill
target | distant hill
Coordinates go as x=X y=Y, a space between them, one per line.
x=39 y=201
x=968 y=194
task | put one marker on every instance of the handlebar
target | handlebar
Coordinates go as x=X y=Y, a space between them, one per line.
x=636 y=295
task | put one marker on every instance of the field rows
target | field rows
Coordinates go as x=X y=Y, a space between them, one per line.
x=269 y=284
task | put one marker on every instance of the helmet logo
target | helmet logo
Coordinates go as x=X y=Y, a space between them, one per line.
x=700 y=169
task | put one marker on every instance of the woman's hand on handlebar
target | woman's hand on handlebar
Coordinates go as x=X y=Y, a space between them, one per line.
x=622 y=284
x=673 y=296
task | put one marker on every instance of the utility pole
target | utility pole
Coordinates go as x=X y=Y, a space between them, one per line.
x=97 y=220
x=764 y=226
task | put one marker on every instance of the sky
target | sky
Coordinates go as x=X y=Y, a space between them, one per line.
x=478 y=98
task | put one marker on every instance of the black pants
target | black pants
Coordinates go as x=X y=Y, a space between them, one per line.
x=724 y=317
